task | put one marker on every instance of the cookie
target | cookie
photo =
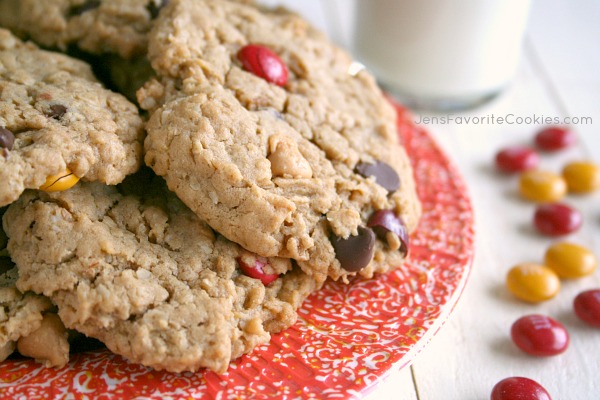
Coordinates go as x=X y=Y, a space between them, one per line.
x=58 y=124
x=21 y=314
x=136 y=269
x=265 y=130
x=95 y=26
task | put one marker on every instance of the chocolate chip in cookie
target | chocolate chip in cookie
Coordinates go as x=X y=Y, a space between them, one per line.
x=355 y=252
x=383 y=173
x=56 y=111
x=7 y=139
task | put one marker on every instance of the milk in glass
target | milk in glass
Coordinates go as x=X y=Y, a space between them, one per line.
x=441 y=54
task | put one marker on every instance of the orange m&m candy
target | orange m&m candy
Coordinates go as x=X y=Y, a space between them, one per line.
x=542 y=186
x=532 y=282
x=570 y=260
x=582 y=176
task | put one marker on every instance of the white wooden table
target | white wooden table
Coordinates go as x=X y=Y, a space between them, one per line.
x=559 y=77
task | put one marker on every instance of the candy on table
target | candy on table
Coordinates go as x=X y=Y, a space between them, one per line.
x=570 y=260
x=557 y=219
x=263 y=62
x=587 y=306
x=532 y=282
x=519 y=388
x=582 y=176
x=539 y=335
x=59 y=182
x=554 y=138
x=542 y=186
x=517 y=159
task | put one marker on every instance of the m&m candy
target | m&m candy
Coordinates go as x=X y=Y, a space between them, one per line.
x=587 y=306
x=532 y=282
x=539 y=335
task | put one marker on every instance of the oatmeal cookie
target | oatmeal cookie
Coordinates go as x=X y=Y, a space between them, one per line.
x=136 y=269
x=95 y=26
x=264 y=129
x=21 y=314
x=57 y=120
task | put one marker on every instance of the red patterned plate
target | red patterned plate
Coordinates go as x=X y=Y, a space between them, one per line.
x=347 y=338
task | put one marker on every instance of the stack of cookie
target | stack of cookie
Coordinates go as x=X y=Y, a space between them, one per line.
x=184 y=232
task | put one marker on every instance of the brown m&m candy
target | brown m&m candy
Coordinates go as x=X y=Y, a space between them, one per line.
x=390 y=228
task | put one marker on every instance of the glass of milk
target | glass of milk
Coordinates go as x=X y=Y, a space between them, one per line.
x=441 y=54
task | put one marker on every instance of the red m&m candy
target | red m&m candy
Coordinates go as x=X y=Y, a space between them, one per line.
x=539 y=335
x=255 y=267
x=587 y=306
x=554 y=138
x=263 y=62
x=557 y=219
x=516 y=159
x=519 y=388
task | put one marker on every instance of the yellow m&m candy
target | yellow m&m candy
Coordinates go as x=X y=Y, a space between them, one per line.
x=570 y=260
x=542 y=186
x=59 y=182
x=532 y=282
x=582 y=176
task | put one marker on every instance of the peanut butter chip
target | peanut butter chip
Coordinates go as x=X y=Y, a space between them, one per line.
x=393 y=241
x=286 y=160
x=48 y=344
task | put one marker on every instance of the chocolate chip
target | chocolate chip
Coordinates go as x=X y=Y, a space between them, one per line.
x=81 y=8
x=56 y=111
x=154 y=9
x=7 y=138
x=355 y=252
x=383 y=173
x=384 y=221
